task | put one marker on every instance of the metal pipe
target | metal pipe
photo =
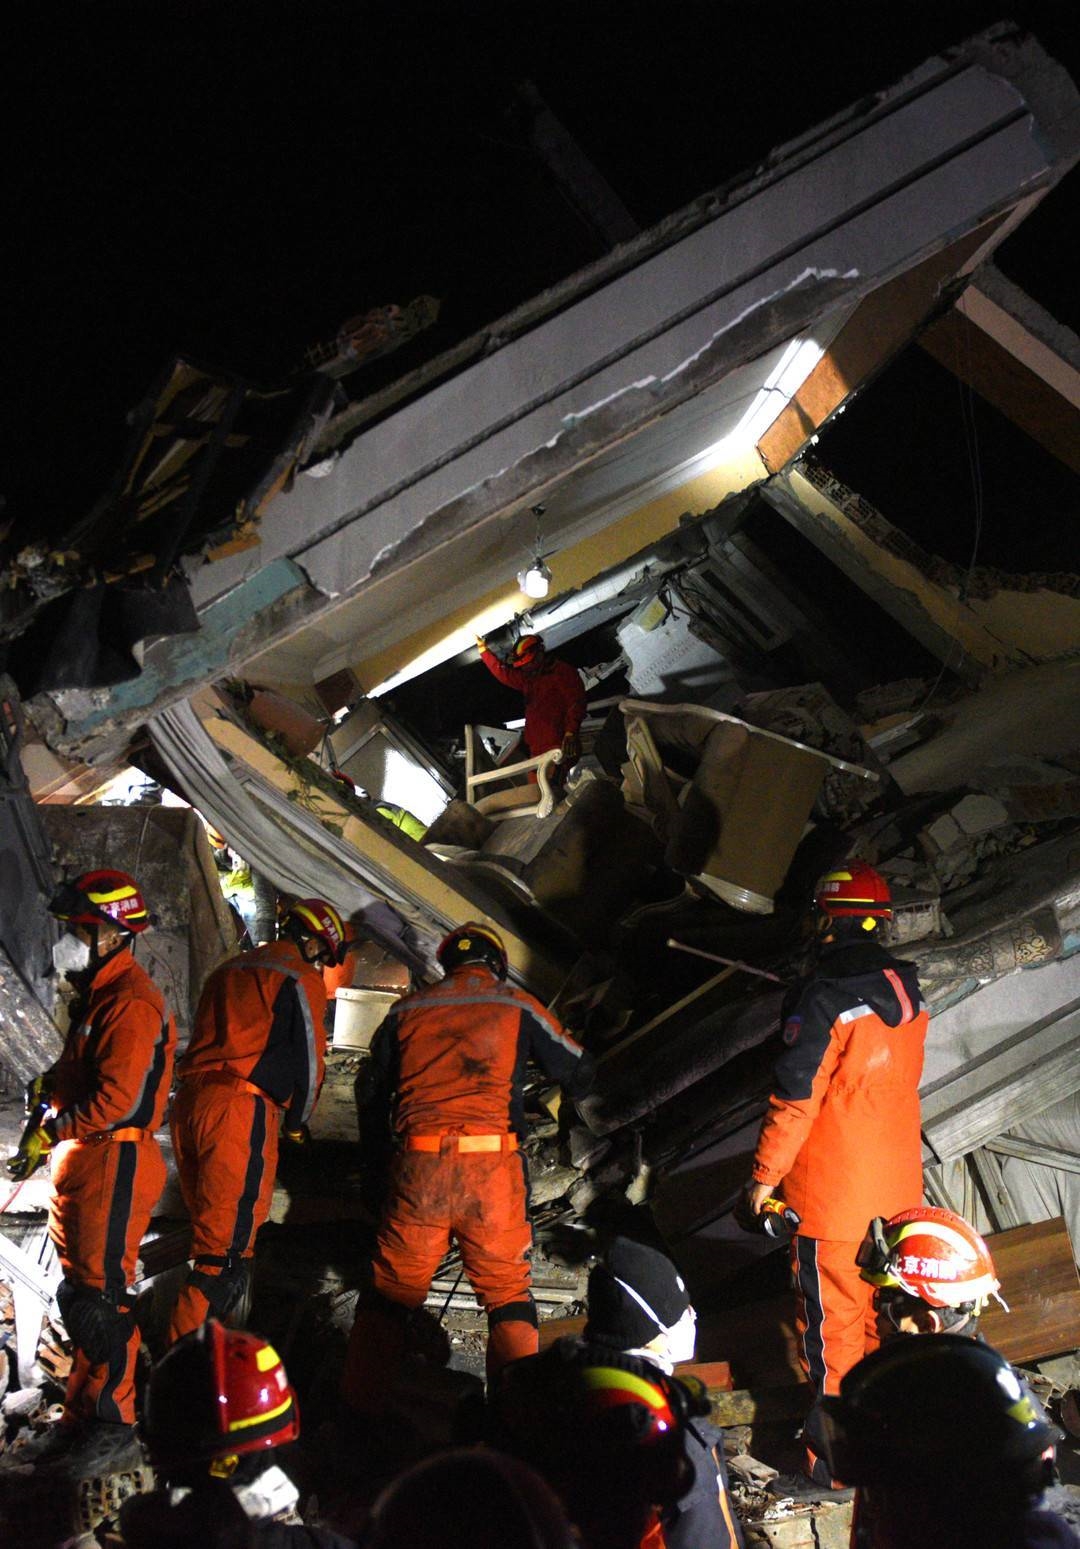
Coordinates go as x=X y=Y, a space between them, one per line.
x=730 y=962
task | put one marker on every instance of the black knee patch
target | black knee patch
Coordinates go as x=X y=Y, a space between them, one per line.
x=98 y=1322
x=514 y=1312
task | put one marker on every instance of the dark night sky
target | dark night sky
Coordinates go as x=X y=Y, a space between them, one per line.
x=234 y=180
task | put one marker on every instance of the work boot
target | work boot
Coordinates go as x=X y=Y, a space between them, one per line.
x=97 y=1447
x=50 y=1444
x=803 y=1489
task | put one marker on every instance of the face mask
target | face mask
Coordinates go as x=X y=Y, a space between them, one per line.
x=682 y=1338
x=70 y=955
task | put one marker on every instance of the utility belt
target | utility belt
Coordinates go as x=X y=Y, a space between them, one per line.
x=230 y=1079
x=129 y=1132
x=463 y=1144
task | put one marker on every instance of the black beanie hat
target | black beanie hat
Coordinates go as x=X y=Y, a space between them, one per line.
x=634 y=1294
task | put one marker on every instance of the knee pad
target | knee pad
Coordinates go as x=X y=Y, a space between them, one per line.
x=97 y=1321
x=226 y=1291
x=514 y=1312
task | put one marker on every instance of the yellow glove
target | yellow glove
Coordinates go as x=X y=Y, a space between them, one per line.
x=36 y=1094
x=481 y=643
x=33 y=1149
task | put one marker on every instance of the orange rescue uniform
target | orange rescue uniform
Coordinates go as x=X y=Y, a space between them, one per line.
x=842 y=1133
x=109 y=1089
x=256 y=1054
x=447 y=1067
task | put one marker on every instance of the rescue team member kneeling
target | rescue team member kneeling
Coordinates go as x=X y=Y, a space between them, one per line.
x=107 y=1095
x=443 y=1087
x=256 y=1053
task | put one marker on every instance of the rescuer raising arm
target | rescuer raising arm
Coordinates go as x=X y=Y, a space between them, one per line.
x=842 y=1128
x=444 y=1087
x=554 y=696
x=106 y=1096
x=255 y=1061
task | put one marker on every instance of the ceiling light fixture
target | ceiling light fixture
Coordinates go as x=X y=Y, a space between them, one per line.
x=535 y=579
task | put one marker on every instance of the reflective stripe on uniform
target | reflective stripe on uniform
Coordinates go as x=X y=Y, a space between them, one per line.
x=273 y=966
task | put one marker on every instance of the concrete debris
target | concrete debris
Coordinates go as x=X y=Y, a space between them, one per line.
x=21 y=1404
x=786 y=1526
x=914 y=919
x=957 y=841
x=980 y=959
x=887 y=699
x=977 y=814
x=810 y=715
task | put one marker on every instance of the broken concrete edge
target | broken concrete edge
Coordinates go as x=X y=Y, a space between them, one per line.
x=928 y=597
x=999 y=49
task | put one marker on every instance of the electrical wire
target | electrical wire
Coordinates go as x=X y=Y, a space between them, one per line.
x=969 y=425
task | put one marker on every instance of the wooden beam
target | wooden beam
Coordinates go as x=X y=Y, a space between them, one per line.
x=996 y=352
x=1034 y=1151
x=1039 y=1280
x=1009 y=1083
x=881 y=325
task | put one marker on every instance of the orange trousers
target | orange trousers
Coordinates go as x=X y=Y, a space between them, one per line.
x=103 y=1196
x=225 y=1140
x=835 y=1323
x=479 y=1199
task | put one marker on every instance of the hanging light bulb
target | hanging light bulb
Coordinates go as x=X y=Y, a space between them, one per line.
x=535 y=579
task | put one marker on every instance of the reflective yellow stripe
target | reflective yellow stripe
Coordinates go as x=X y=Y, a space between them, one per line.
x=271 y=1414
x=610 y=1377
x=111 y=898
x=266 y=1358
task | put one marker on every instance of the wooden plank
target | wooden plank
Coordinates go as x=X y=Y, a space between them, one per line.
x=745 y=1406
x=1010 y=1083
x=716 y=1375
x=552 y=1329
x=1039 y=1280
x=999 y=1206
x=1035 y=1151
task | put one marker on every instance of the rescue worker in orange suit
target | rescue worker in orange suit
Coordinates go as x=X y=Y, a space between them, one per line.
x=255 y=1063
x=98 y=1108
x=443 y=1094
x=553 y=692
x=841 y=1133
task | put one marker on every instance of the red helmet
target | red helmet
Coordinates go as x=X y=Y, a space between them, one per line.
x=472 y=943
x=215 y=1393
x=112 y=896
x=315 y=917
x=930 y=1253
x=527 y=649
x=854 y=891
